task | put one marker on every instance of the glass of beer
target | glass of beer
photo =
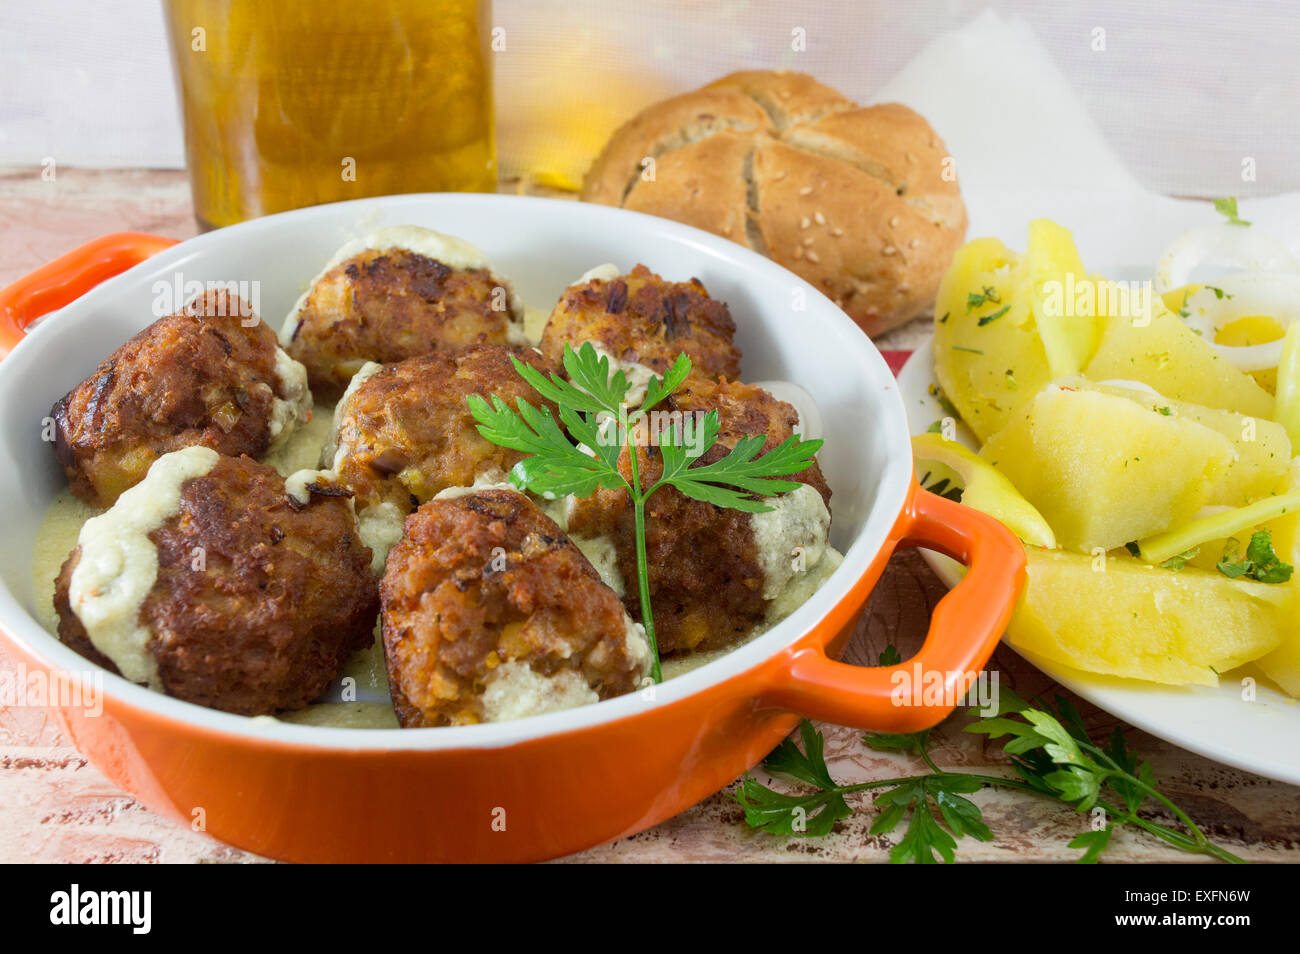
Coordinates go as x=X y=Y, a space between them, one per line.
x=293 y=103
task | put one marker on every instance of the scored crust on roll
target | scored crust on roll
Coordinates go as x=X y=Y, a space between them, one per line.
x=862 y=202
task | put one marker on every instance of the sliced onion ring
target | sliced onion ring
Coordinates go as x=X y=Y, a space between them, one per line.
x=1275 y=294
x=1226 y=246
x=810 y=416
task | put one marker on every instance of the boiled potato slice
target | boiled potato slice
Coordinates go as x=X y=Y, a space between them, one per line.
x=1263 y=448
x=1253 y=330
x=1176 y=298
x=1282 y=665
x=989 y=359
x=985 y=489
x=1288 y=384
x=1167 y=355
x=1064 y=296
x=1138 y=621
x=1104 y=470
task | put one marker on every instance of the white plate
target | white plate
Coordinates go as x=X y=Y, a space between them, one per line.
x=1262 y=736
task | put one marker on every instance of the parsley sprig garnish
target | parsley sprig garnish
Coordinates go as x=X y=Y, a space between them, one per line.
x=592 y=408
x=1260 y=562
x=1050 y=751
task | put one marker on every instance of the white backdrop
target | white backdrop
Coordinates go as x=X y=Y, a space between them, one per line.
x=1181 y=91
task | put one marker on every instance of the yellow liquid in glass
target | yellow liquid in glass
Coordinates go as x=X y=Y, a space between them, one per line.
x=289 y=103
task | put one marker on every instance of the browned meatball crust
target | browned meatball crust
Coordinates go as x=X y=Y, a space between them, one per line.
x=282 y=597
x=390 y=305
x=406 y=432
x=706 y=581
x=485 y=581
x=642 y=319
x=197 y=377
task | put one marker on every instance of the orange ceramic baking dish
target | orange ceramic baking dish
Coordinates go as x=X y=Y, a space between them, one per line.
x=534 y=788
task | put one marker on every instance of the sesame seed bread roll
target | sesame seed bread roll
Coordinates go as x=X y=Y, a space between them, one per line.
x=862 y=202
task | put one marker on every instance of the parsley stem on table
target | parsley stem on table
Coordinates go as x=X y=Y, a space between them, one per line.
x=1049 y=750
x=591 y=402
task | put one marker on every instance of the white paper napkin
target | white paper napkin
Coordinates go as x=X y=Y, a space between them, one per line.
x=1025 y=147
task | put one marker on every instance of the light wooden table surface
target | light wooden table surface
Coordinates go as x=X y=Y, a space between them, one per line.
x=55 y=806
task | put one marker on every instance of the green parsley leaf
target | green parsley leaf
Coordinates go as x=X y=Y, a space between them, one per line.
x=975 y=300
x=1228 y=208
x=1180 y=560
x=713 y=483
x=896 y=741
x=660 y=388
x=924 y=837
x=1260 y=563
x=565 y=393
x=810 y=816
x=806 y=766
x=1094 y=843
x=988 y=319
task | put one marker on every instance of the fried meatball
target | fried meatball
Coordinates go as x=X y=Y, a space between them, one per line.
x=405 y=432
x=644 y=322
x=212 y=375
x=712 y=570
x=206 y=582
x=398 y=293
x=491 y=613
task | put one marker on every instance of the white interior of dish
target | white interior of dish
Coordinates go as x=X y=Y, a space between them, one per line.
x=542 y=245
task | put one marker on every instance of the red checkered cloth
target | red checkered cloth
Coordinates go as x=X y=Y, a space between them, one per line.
x=896 y=360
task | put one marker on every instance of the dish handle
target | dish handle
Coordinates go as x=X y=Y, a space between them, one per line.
x=964 y=630
x=70 y=276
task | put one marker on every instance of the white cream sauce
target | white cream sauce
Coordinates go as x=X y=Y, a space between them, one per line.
x=380 y=528
x=301 y=449
x=791 y=537
x=294 y=409
x=517 y=691
x=451 y=251
x=337 y=446
x=296 y=485
x=638 y=375
x=119 y=563
x=605 y=273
